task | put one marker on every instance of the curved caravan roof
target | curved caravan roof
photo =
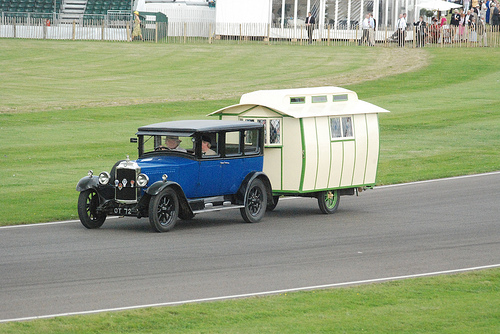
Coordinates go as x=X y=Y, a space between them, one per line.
x=304 y=102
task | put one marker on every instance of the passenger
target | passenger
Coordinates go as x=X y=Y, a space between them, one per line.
x=206 y=145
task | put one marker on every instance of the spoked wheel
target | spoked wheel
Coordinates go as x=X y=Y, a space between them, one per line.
x=328 y=201
x=163 y=210
x=255 y=202
x=88 y=201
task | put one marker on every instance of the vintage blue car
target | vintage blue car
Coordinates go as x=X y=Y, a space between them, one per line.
x=184 y=168
x=317 y=142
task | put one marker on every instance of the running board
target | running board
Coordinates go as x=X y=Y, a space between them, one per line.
x=212 y=208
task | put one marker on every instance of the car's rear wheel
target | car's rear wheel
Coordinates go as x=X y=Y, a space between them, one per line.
x=164 y=210
x=88 y=201
x=255 y=202
x=328 y=201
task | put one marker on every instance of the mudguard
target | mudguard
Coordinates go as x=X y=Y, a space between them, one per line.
x=87 y=183
x=185 y=209
x=240 y=195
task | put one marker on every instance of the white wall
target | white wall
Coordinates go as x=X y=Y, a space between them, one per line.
x=243 y=11
x=181 y=11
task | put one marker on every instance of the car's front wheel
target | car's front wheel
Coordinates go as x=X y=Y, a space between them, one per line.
x=88 y=201
x=328 y=201
x=255 y=202
x=163 y=210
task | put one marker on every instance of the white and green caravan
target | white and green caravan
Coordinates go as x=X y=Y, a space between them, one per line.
x=320 y=142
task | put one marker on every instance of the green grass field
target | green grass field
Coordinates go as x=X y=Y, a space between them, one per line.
x=66 y=107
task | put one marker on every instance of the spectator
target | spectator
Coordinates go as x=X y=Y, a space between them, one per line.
x=483 y=11
x=468 y=18
x=481 y=31
x=365 y=25
x=401 y=29
x=461 y=27
x=495 y=16
x=310 y=21
x=454 y=23
x=443 y=21
x=371 y=34
x=488 y=11
x=434 y=31
x=473 y=32
x=420 y=31
x=136 y=32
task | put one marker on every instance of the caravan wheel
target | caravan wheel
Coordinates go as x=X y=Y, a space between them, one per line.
x=328 y=201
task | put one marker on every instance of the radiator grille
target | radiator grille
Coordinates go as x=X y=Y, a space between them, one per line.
x=125 y=183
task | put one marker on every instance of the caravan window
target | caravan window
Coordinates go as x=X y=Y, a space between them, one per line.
x=272 y=129
x=295 y=100
x=341 y=127
x=319 y=99
x=339 y=98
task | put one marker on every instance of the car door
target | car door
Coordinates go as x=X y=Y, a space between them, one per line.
x=210 y=168
x=210 y=174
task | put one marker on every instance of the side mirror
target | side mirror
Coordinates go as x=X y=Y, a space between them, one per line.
x=133 y=140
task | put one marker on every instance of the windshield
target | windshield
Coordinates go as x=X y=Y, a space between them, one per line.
x=168 y=143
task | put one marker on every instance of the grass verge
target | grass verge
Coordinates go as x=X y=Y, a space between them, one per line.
x=461 y=303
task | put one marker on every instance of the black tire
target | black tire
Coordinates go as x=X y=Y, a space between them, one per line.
x=328 y=201
x=255 y=202
x=88 y=201
x=271 y=207
x=163 y=210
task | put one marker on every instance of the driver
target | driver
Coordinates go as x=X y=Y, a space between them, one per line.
x=172 y=144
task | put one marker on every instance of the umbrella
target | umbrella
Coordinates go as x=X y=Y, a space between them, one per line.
x=438 y=5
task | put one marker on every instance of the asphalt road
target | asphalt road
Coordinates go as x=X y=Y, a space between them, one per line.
x=390 y=231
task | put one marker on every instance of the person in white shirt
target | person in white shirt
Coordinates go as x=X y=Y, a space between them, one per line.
x=365 y=25
x=372 y=30
x=401 y=27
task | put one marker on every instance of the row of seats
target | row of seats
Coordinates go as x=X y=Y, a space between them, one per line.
x=102 y=6
x=26 y=6
x=47 y=6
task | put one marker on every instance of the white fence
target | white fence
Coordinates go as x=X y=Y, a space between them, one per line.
x=205 y=32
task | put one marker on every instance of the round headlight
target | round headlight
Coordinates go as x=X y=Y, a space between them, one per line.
x=142 y=180
x=104 y=178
